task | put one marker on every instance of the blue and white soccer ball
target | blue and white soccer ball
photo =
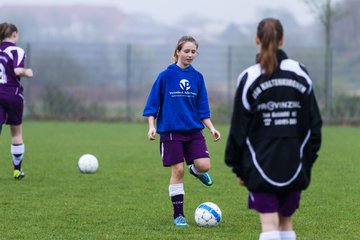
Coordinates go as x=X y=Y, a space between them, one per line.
x=88 y=163
x=207 y=214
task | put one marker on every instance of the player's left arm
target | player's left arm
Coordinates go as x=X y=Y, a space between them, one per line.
x=236 y=141
x=215 y=133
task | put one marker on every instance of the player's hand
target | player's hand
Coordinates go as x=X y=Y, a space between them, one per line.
x=216 y=134
x=152 y=134
x=29 y=73
x=241 y=182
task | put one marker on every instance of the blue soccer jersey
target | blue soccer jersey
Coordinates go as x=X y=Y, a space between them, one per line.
x=178 y=99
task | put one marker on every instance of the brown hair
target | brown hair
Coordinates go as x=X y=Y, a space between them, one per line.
x=269 y=32
x=6 y=29
x=180 y=44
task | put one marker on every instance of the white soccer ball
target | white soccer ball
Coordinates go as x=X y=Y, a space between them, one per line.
x=88 y=163
x=207 y=214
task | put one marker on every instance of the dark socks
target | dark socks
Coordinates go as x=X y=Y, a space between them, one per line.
x=178 y=202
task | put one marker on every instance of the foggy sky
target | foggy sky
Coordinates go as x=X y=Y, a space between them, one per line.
x=170 y=12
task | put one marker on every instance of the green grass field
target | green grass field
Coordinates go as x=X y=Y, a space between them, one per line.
x=128 y=197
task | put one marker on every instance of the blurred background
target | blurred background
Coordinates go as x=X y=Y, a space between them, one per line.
x=97 y=60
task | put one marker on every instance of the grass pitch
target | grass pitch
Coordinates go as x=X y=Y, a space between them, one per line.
x=128 y=197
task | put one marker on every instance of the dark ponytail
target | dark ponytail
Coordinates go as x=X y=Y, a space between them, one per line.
x=269 y=32
x=6 y=29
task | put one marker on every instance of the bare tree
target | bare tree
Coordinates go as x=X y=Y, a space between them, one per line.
x=325 y=10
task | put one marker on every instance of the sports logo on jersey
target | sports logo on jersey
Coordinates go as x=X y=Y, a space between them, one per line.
x=184 y=90
x=185 y=84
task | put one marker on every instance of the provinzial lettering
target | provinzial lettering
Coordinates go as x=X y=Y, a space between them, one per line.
x=271 y=106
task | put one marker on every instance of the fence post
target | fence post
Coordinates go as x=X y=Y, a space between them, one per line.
x=28 y=104
x=128 y=80
x=229 y=78
x=330 y=87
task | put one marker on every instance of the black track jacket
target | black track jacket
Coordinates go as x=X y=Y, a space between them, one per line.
x=275 y=131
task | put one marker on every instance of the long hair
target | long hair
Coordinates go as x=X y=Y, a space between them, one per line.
x=180 y=44
x=269 y=32
x=6 y=29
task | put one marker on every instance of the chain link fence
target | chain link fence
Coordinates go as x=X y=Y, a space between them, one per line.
x=101 y=81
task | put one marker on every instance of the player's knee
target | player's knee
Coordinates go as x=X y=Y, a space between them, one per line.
x=205 y=168
x=203 y=165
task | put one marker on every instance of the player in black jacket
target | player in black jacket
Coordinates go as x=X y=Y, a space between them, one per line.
x=275 y=133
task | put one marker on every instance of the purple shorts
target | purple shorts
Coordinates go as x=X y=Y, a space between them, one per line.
x=283 y=203
x=11 y=105
x=179 y=147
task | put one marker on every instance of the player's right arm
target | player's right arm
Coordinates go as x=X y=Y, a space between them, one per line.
x=23 y=72
x=152 y=129
x=152 y=106
x=17 y=54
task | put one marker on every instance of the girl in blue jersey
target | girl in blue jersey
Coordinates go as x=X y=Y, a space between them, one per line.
x=178 y=101
x=275 y=133
x=12 y=61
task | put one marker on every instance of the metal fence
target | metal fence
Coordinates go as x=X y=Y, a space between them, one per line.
x=111 y=81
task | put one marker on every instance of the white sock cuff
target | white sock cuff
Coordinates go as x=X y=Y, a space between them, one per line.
x=176 y=189
x=193 y=168
x=273 y=235
x=17 y=149
x=288 y=235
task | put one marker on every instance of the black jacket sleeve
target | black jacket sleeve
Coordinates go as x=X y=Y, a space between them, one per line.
x=238 y=131
x=315 y=126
